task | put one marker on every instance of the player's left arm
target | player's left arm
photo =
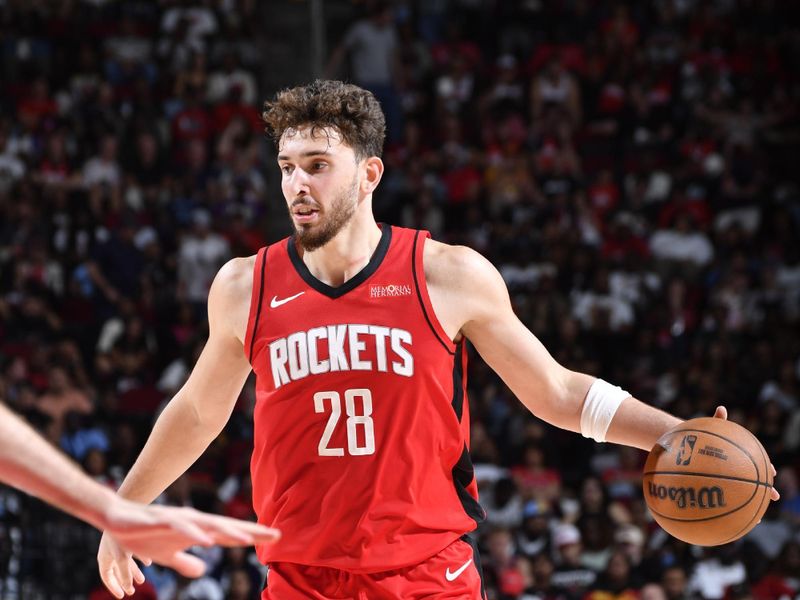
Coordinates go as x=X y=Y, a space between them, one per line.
x=471 y=298
x=470 y=294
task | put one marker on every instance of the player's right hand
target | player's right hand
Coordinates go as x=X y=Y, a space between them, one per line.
x=161 y=534
x=117 y=568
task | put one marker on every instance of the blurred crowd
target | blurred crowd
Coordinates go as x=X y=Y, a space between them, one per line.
x=628 y=166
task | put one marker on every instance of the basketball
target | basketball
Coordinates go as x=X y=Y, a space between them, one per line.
x=707 y=481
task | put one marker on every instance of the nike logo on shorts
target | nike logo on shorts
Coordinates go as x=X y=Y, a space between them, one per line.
x=454 y=575
x=275 y=303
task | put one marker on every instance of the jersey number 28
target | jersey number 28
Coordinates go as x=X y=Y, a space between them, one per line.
x=353 y=421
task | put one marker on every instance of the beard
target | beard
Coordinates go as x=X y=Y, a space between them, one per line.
x=312 y=236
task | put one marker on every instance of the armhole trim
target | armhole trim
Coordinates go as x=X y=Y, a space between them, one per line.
x=256 y=299
x=418 y=270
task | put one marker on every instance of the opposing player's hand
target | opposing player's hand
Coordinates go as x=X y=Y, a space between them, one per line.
x=161 y=534
x=722 y=413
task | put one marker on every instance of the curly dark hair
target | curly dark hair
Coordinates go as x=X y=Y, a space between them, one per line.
x=351 y=111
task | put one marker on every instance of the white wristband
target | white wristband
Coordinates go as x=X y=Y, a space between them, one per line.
x=600 y=406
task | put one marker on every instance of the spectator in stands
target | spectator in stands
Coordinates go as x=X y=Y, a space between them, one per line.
x=372 y=47
x=555 y=91
x=597 y=535
x=230 y=75
x=675 y=583
x=542 y=569
x=202 y=252
x=652 y=591
x=534 y=478
x=683 y=244
x=240 y=587
x=502 y=566
x=570 y=575
x=103 y=169
x=787 y=479
x=533 y=538
x=719 y=569
x=616 y=581
x=783 y=577
x=62 y=397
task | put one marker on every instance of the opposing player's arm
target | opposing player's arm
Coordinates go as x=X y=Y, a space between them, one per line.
x=199 y=411
x=29 y=463
x=471 y=298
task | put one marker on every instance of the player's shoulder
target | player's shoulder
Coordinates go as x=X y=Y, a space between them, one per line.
x=230 y=296
x=463 y=284
x=234 y=281
x=237 y=271
x=451 y=265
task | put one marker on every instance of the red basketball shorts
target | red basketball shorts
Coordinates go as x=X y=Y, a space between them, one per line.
x=455 y=572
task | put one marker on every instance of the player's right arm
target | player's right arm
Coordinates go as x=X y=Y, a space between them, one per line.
x=196 y=414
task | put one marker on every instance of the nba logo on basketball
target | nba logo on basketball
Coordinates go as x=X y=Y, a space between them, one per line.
x=389 y=291
x=686 y=449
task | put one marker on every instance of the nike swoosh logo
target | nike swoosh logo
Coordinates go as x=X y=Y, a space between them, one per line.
x=454 y=575
x=275 y=303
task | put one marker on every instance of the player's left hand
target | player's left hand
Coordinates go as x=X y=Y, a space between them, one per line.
x=722 y=413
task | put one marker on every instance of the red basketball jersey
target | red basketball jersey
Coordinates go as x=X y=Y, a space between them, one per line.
x=361 y=420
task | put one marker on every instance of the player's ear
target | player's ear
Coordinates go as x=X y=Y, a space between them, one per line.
x=373 y=171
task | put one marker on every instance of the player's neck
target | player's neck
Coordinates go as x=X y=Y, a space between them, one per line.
x=346 y=254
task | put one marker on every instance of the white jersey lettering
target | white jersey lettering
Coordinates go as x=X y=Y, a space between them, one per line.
x=278 y=357
x=297 y=356
x=380 y=333
x=405 y=368
x=315 y=365
x=356 y=347
x=336 y=335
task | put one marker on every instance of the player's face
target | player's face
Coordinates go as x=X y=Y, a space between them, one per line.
x=319 y=179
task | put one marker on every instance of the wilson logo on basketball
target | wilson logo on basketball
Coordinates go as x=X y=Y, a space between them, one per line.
x=683 y=497
x=389 y=291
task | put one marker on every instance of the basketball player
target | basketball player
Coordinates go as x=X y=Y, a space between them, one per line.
x=356 y=332
x=155 y=533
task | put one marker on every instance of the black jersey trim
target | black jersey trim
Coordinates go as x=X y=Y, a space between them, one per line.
x=476 y=560
x=458 y=386
x=258 y=310
x=349 y=285
x=419 y=294
x=463 y=474
x=463 y=471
